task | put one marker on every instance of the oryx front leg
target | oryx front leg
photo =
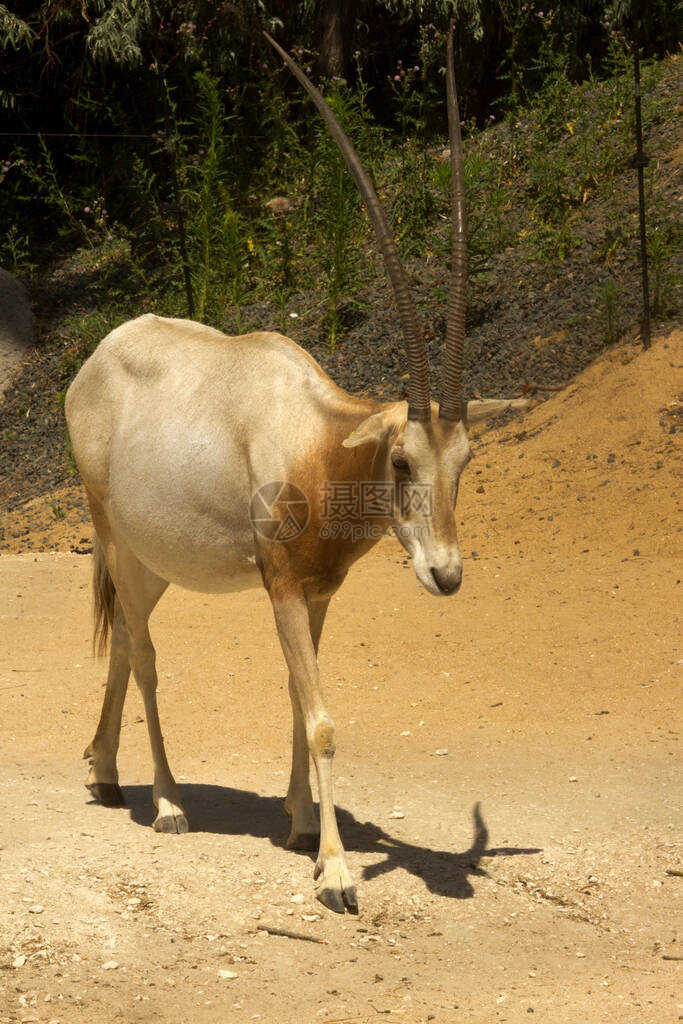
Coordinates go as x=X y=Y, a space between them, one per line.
x=305 y=830
x=335 y=886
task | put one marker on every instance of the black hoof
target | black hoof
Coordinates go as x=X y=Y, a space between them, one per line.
x=172 y=824
x=304 y=841
x=108 y=793
x=332 y=899
x=338 y=901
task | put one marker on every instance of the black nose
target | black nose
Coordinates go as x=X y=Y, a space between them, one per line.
x=448 y=580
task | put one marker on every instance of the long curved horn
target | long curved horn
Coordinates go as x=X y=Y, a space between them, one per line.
x=418 y=385
x=454 y=348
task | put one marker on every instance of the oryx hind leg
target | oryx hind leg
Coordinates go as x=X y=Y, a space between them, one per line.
x=305 y=830
x=103 y=778
x=137 y=591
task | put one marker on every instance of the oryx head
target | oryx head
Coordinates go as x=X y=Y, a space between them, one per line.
x=424 y=454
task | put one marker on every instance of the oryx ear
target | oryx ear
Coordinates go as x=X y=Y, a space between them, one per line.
x=378 y=426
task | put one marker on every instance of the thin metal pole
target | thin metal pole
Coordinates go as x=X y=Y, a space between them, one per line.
x=640 y=162
x=171 y=150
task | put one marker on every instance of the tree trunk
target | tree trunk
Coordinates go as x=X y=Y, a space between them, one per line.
x=333 y=28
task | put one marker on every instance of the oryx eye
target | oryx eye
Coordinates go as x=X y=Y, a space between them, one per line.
x=399 y=461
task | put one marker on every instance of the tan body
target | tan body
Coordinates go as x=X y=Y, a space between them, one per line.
x=204 y=421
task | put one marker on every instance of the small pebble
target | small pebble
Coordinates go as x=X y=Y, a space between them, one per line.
x=442 y=751
x=19 y=961
x=227 y=975
x=397 y=814
x=36 y=909
x=110 y=965
x=298 y=897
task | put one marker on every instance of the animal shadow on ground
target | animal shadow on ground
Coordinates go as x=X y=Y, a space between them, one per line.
x=225 y=811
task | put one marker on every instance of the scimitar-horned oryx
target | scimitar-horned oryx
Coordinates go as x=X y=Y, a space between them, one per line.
x=204 y=458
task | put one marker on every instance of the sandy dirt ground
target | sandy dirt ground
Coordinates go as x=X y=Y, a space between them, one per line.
x=508 y=766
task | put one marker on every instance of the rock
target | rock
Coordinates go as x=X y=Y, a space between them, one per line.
x=397 y=814
x=280 y=204
x=19 y=961
x=298 y=897
x=441 y=752
x=110 y=965
x=227 y=975
x=36 y=909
